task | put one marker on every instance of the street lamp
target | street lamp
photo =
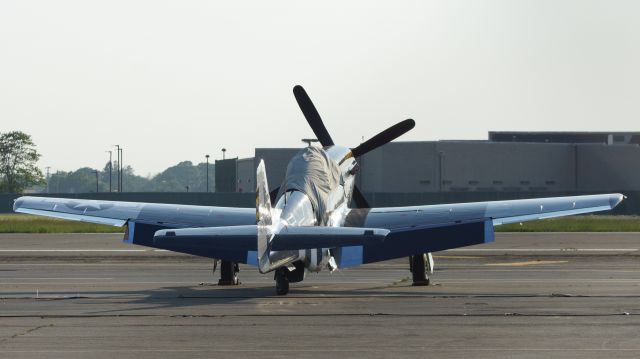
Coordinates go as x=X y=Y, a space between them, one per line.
x=223 y=152
x=48 y=168
x=118 y=168
x=110 y=168
x=121 y=171
x=207 y=156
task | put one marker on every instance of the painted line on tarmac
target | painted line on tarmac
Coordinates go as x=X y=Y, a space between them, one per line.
x=526 y=263
x=543 y=250
x=83 y=250
x=543 y=280
x=185 y=283
x=55 y=278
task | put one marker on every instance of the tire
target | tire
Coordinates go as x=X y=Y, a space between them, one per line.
x=282 y=281
x=419 y=270
x=228 y=273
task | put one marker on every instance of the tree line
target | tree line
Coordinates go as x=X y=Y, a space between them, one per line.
x=185 y=176
x=19 y=171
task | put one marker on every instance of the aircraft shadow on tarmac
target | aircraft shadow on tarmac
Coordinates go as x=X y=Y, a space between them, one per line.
x=139 y=302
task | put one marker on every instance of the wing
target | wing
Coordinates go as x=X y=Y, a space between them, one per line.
x=144 y=219
x=421 y=229
x=118 y=213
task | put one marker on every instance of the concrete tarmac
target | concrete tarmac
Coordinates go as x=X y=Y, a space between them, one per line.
x=526 y=295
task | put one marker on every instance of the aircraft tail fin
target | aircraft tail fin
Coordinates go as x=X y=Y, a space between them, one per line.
x=264 y=217
x=268 y=227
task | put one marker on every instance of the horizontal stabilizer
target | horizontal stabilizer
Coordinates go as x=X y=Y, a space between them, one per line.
x=211 y=238
x=325 y=237
x=289 y=238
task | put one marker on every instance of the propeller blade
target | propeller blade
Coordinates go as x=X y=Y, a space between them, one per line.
x=359 y=199
x=384 y=137
x=312 y=116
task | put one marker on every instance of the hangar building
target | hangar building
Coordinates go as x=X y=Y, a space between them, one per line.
x=507 y=162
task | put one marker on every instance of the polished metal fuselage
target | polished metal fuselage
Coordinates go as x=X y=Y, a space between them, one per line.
x=293 y=208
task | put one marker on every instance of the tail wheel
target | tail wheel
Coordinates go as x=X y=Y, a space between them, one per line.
x=282 y=281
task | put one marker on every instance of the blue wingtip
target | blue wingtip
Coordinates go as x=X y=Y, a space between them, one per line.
x=615 y=199
x=17 y=203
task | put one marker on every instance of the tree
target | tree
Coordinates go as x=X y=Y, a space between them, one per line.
x=18 y=157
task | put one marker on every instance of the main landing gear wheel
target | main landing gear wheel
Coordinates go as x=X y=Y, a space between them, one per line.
x=419 y=265
x=228 y=273
x=282 y=281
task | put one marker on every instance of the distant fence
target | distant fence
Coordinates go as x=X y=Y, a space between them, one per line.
x=631 y=206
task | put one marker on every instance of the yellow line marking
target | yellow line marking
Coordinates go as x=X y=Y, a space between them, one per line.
x=528 y=263
x=458 y=257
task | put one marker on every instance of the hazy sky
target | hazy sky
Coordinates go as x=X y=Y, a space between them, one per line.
x=174 y=80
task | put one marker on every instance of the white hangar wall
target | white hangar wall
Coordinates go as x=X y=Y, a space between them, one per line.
x=476 y=166
x=468 y=166
x=608 y=167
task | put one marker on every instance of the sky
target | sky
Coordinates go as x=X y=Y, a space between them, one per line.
x=175 y=80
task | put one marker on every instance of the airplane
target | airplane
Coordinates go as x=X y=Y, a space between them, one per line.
x=307 y=224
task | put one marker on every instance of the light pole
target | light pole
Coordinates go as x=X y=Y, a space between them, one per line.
x=118 y=168
x=48 y=168
x=440 y=170
x=207 y=156
x=121 y=171
x=110 y=168
x=224 y=150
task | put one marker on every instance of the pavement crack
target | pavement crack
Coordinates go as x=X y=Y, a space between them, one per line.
x=23 y=333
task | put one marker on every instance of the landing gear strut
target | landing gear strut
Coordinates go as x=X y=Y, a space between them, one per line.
x=282 y=280
x=228 y=273
x=421 y=265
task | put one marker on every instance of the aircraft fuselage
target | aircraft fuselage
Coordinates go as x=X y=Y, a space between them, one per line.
x=295 y=208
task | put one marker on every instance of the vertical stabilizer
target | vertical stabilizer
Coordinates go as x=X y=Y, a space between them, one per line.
x=269 y=225
x=264 y=215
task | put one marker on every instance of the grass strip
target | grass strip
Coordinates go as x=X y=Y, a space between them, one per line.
x=588 y=223
x=24 y=223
